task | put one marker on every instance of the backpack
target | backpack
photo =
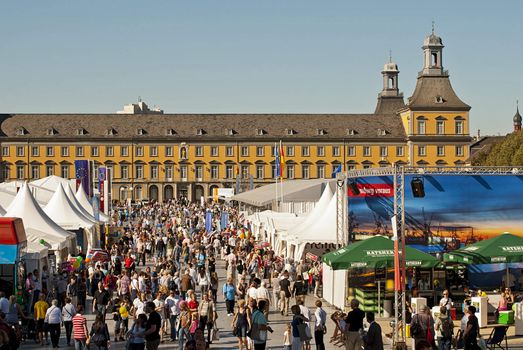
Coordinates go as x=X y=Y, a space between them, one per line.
x=415 y=327
x=446 y=327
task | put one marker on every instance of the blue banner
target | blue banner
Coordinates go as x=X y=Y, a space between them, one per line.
x=82 y=175
x=208 y=221
x=224 y=220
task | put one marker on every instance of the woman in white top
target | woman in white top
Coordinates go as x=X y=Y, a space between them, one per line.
x=203 y=281
x=68 y=312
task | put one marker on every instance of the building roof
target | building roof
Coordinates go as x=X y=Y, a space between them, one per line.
x=482 y=145
x=389 y=104
x=434 y=92
x=201 y=127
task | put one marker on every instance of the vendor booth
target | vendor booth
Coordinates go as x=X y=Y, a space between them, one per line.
x=39 y=227
x=13 y=243
x=502 y=249
x=366 y=260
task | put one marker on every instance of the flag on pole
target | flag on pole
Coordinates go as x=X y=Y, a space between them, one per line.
x=277 y=161
x=336 y=170
x=282 y=159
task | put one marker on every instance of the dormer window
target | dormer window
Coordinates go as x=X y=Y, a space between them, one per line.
x=351 y=132
x=51 y=131
x=382 y=132
x=110 y=131
x=230 y=132
x=170 y=132
x=200 y=132
x=260 y=132
x=290 y=132
x=20 y=131
x=81 y=131
x=321 y=132
x=439 y=99
x=140 y=131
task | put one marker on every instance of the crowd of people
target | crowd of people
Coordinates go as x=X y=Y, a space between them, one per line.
x=161 y=284
x=168 y=273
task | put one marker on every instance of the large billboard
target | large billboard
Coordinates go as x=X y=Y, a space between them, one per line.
x=455 y=207
x=456 y=210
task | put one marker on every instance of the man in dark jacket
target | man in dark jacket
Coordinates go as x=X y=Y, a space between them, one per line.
x=373 y=339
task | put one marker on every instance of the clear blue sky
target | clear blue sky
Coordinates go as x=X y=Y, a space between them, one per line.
x=253 y=56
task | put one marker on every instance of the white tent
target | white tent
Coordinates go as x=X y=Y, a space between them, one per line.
x=72 y=197
x=36 y=222
x=81 y=196
x=64 y=213
x=322 y=230
x=314 y=215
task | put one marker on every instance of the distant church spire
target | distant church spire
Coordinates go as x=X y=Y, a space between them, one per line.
x=517 y=118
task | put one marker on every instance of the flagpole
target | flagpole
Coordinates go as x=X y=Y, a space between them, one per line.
x=282 y=161
x=276 y=175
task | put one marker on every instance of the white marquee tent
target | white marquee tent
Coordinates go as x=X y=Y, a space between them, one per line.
x=81 y=196
x=63 y=212
x=319 y=227
x=38 y=225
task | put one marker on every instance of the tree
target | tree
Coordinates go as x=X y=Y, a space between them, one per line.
x=508 y=152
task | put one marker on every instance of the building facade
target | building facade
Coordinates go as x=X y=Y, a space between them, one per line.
x=161 y=156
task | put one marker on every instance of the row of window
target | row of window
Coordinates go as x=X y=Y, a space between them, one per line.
x=305 y=151
x=199 y=171
x=214 y=151
x=440 y=127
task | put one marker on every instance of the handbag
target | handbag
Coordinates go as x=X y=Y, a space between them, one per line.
x=215 y=333
x=430 y=335
x=302 y=331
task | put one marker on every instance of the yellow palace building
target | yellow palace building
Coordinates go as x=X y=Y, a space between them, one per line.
x=161 y=156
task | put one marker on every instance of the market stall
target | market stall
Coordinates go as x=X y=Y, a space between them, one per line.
x=364 y=258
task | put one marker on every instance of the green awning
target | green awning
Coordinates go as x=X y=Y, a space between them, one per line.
x=505 y=248
x=375 y=252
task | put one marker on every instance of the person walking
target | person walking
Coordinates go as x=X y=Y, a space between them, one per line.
x=320 y=326
x=470 y=336
x=172 y=305
x=353 y=324
x=262 y=294
x=184 y=324
x=99 y=336
x=101 y=299
x=259 y=326
x=53 y=317
x=373 y=339
x=422 y=326
x=40 y=311
x=298 y=320
x=80 y=330
x=152 y=327
x=207 y=313
x=444 y=329
x=285 y=293
x=136 y=333
x=68 y=312
x=241 y=324
x=229 y=292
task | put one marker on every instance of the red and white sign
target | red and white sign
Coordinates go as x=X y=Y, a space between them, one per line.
x=373 y=190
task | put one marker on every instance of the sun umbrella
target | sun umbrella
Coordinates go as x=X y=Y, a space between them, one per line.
x=504 y=248
x=374 y=252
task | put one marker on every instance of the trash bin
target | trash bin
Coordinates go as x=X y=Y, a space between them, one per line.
x=387 y=308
